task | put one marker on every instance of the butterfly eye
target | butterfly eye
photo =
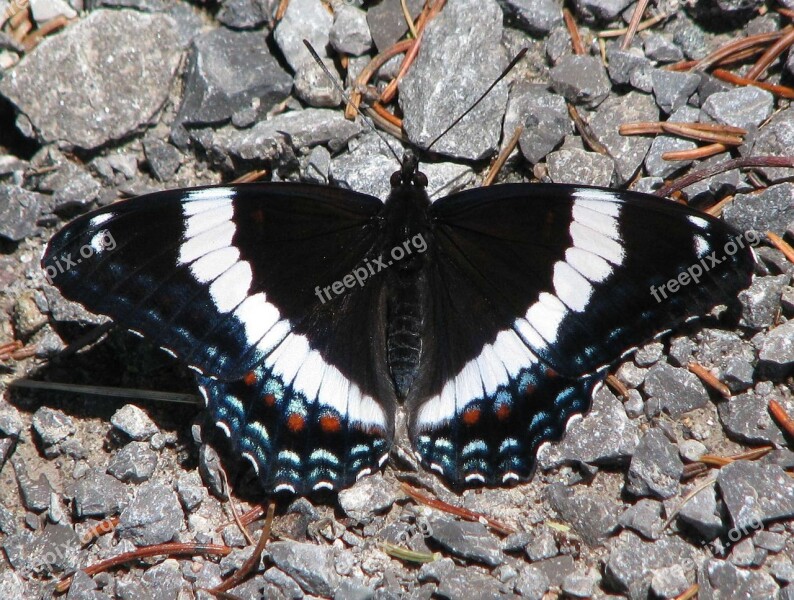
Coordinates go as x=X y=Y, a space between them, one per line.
x=396 y=179
x=420 y=179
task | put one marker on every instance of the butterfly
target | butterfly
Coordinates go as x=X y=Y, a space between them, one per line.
x=320 y=321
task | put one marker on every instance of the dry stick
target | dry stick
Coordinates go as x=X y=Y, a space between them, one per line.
x=718 y=134
x=709 y=379
x=736 y=163
x=171 y=549
x=726 y=50
x=101 y=528
x=779 y=90
x=647 y=24
x=768 y=57
x=573 y=31
x=585 y=132
x=253 y=560
x=691 y=592
x=34 y=38
x=502 y=158
x=369 y=71
x=781 y=244
x=251 y=176
x=282 y=8
x=408 y=19
x=634 y=23
x=236 y=515
x=695 y=153
x=699 y=488
x=715 y=210
x=781 y=417
x=720 y=461
x=617 y=386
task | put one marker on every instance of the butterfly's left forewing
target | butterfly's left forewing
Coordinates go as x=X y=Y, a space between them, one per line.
x=538 y=290
x=227 y=278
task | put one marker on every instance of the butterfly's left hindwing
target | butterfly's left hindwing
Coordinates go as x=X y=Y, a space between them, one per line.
x=225 y=278
x=538 y=290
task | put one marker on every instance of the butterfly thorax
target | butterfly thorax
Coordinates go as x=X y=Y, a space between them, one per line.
x=406 y=250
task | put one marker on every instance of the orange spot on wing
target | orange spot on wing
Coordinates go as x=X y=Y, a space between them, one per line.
x=503 y=412
x=250 y=378
x=530 y=390
x=270 y=400
x=471 y=416
x=295 y=422
x=551 y=373
x=330 y=423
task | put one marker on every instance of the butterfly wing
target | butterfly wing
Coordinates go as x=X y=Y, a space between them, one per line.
x=227 y=279
x=538 y=289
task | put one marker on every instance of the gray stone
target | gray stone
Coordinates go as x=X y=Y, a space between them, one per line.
x=543 y=115
x=700 y=513
x=770 y=209
x=776 y=138
x=777 y=346
x=628 y=151
x=35 y=493
x=632 y=561
x=672 y=89
x=600 y=11
x=154 y=516
x=655 y=468
x=603 y=436
x=660 y=47
x=692 y=450
x=46 y=10
x=466 y=539
x=590 y=515
x=52 y=425
x=746 y=418
x=625 y=64
x=727 y=581
x=318 y=166
x=163 y=158
x=267 y=139
x=676 y=390
x=782 y=569
x=756 y=493
x=649 y=354
x=71 y=186
x=310 y=565
x=59 y=86
x=532 y=582
x=577 y=585
x=387 y=23
x=368 y=497
x=745 y=107
x=542 y=545
x=54 y=550
x=134 y=422
x=631 y=375
x=669 y=582
x=537 y=17
x=228 y=71
x=285 y=584
x=761 y=301
x=581 y=79
x=98 y=494
x=246 y=14
x=189 y=490
x=769 y=540
x=350 y=31
x=456 y=65
x=134 y=463
x=556 y=569
x=436 y=570
x=644 y=517
x=19 y=211
x=576 y=166
x=470 y=584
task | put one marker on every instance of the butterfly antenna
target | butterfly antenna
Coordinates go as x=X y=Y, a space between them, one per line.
x=504 y=73
x=347 y=100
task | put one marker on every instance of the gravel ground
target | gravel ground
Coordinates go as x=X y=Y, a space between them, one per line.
x=139 y=95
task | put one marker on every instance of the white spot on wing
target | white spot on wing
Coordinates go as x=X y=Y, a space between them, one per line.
x=593 y=267
x=208 y=219
x=604 y=224
x=212 y=239
x=287 y=359
x=100 y=220
x=206 y=198
x=597 y=243
x=230 y=289
x=211 y=265
x=573 y=289
x=258 y=316
x=546 y=315
x=310 y=375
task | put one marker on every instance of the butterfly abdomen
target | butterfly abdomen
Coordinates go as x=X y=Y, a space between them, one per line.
x=404 y=324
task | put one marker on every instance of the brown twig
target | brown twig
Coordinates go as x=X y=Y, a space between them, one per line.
x=779 y=90
x=573 y=31
x=691 y=592
x=634 y=23
x=463 y=513
x=781 y=417
x=251 y=176
x=369 y=71
x=736 y=163
x=768 y=57
x=752 y=42
x=585 y=132
x=171 y=549
x=704 y=132
x=503 y=155
x=648 y=23
x=709 y=379
x=31 y=41
x=250 y=564
x=282 y=8
x=617 y=386
x=720 y=461
x=103 y=527
x=781 y=244
x=695 y=153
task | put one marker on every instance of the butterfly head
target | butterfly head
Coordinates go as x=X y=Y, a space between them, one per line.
x=409 y=173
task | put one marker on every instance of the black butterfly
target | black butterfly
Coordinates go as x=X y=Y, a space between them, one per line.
x=317 y=318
